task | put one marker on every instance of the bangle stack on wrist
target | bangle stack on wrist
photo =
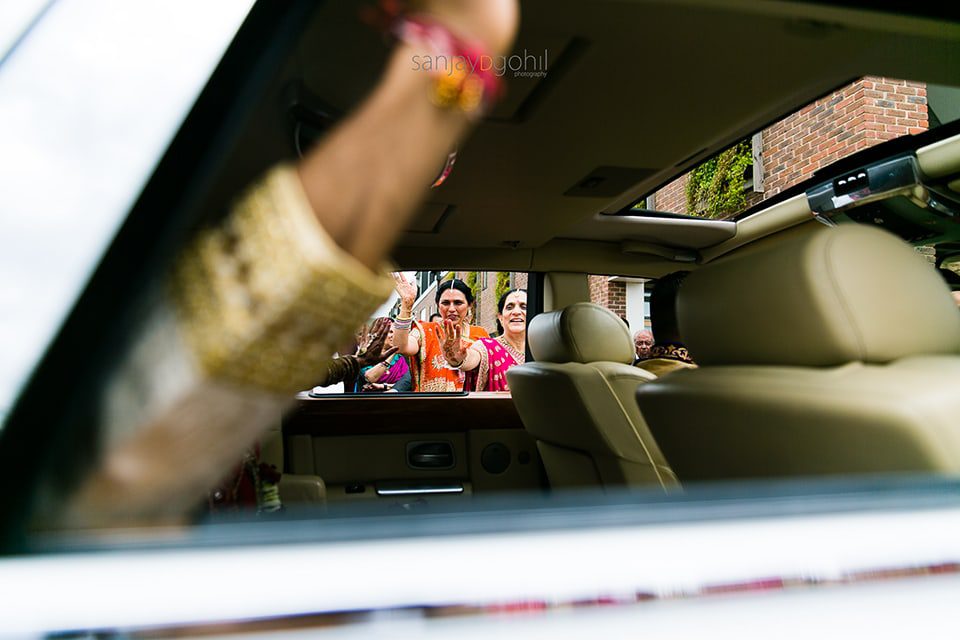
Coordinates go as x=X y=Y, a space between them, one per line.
x=403 y=324
x=470 y=82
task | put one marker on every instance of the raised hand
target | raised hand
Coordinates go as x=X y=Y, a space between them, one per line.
x=406 y=290
x=372 y=352
x=451 y=342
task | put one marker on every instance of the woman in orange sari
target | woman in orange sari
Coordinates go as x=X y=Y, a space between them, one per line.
x=422 y=342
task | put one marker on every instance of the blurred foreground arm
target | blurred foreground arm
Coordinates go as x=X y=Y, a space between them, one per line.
x=237 y=336
x=367 y=179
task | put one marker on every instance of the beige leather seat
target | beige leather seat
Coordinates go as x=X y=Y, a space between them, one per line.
x=577 y=400
x=833 y=353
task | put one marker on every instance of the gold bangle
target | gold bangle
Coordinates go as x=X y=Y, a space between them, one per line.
x=267 y=294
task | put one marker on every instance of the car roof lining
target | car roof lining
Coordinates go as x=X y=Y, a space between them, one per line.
x=938 y=160
x=504 y=206
x=511 y=181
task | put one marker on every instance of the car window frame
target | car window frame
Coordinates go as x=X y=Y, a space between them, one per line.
x=50 y=434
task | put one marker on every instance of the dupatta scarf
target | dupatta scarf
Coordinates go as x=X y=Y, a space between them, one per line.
x=496 y=357
x=398 y=368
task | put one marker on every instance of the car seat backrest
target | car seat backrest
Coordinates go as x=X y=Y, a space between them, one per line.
x=833 y=353
x=577 y=400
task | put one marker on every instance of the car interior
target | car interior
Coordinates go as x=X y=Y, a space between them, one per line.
x=826 y=345
x=796 y=379
x=590 y=433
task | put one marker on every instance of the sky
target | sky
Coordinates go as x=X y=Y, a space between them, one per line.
x=89 y=100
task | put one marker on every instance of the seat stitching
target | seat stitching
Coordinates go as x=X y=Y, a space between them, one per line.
x=626 y=415
x=841 y=300
x=573 y=341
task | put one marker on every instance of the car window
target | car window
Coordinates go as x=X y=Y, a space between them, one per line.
x=416 y=460
x=15 y=21
x=857 y=116
x=128 y=96
x=487 y=288
x=626 y=296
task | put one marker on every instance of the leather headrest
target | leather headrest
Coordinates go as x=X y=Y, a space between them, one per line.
x=837 y=295
x=583 y=332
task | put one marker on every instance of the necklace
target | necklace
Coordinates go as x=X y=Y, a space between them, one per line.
x=515 y=352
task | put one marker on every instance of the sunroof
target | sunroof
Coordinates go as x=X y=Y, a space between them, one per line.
x=862 y=114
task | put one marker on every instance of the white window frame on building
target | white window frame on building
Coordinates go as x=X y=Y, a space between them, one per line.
x=637 y=301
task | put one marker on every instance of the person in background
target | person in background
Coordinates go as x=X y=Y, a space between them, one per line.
x=392 y=372
x=373 y=347
x=642 y=341
x=435 y=317
x=668 y=353
x=487 y=360
x=422 y=341
x=299 y=255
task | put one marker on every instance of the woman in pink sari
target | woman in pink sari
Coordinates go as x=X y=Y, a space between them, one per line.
x=487 y=360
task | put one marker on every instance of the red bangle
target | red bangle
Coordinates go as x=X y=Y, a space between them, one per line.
x=469 y=80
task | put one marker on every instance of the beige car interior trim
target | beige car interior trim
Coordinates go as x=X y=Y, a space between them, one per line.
x=814 y=301
x=577 y=400
x=597 y=257
x=937 y=160
x=670 y=253
x=564 y=289
x=584 y=256
x=437 y=258
x=303 y=486
x=780 y=216
x=583 y=332
x=835 y=352
x=643 y=445
x=724 y=423
x=941 y=158
x=668 y=232
x=656 y=255
x=512 y=178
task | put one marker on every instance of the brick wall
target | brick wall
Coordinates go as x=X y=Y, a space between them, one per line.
x=862 y=114
x=612 y=295
x=673 y=197
x=425 y=308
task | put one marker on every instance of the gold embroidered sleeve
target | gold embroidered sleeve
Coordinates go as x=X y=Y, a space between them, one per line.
x=338 y=370
x=267 y=296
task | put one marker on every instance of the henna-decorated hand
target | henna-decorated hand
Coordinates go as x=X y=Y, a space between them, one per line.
x=451 y=342
x=372 y=351
x=406 y=290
